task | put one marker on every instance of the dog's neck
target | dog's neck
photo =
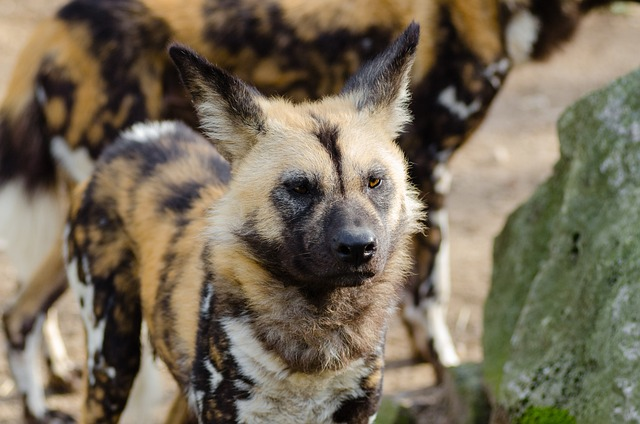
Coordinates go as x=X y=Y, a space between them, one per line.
x=310 y=332
x=237 y=375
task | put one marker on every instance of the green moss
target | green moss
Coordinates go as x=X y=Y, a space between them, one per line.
x=392 y=412
x=540 y=415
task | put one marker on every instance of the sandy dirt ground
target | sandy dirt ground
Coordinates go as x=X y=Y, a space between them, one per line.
x=512 y=152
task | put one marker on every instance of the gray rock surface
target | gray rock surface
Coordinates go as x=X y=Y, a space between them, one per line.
x=562 y=320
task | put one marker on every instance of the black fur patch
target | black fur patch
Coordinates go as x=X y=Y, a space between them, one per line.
x=149 y=154
x=436 y=130
x=559 y=21
x=358 y=410
x=115 y=301
x=294 y=207
x=215 y=403
x=24 y=149
x=52 y=80
x=276 y=39
x=263 y=250
x=181 y=197
x=328 y=136
x=376 y=80
x=202 y=78
x=136 y=37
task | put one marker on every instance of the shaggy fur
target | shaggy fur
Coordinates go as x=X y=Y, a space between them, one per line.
x=266 y=288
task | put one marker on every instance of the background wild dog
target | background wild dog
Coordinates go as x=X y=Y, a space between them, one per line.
x=74 y=89
x=267 y=294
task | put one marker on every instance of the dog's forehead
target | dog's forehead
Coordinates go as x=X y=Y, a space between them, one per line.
x=315 y=135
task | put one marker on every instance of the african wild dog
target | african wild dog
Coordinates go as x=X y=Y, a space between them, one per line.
x=99 y=67
x=266 y=286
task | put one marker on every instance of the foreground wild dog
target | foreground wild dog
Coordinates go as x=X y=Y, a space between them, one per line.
x=98 y=67
x=266 y=288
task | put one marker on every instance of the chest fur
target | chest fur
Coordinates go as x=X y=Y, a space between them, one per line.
x=235 y=379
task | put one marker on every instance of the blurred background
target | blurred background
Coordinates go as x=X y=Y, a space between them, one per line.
x=512 y=152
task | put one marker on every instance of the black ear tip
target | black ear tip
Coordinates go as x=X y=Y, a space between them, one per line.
x=179 y=51
x=411 y=36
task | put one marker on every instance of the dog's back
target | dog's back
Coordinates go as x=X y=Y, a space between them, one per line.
x=147 y=198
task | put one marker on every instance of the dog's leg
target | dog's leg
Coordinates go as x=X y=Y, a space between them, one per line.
x=110 y=309
x=63 y=372
x=31 y=224
x=424 y=310
x=23 y=324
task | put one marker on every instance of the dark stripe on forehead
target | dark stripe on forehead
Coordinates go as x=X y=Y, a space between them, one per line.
x=327 y=134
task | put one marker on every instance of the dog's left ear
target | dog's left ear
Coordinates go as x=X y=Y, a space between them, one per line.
x=226 y=106
x=381 y=87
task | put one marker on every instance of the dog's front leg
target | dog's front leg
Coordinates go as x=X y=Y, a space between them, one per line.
x=111 y=314
x=23 y=322
x=424 y=309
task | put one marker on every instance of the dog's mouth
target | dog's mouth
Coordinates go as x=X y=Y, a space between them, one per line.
x=344 y=279
x=320 y=292
x=354 y=279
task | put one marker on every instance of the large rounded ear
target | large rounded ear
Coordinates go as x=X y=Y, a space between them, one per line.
x=226 y=106
x=381 y=86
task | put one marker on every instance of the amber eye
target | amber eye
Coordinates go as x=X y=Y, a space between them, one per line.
x=301 y=189
x=374 y=182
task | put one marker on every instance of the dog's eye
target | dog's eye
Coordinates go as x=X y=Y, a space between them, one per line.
x=374 y=182
x=301 y=188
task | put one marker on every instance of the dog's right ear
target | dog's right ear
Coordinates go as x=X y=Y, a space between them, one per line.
x=381 y=86
x=229 y=113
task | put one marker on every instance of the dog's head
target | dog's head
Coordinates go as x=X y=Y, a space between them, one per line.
x=319 y=196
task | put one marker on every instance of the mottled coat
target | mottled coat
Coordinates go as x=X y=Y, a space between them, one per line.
x=266 y=287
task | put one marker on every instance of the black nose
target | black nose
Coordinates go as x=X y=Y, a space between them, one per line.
x=354 y=246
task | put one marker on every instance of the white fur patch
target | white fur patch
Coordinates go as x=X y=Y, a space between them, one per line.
x=448 y=98
x=27 y=374
x=429 y=318
x=205 y=302
x=41 y=95
x=215 y=378
x=442 y=341
x=496 y=71
x=286 y=397
x=30 y=225
x=76 y=163
x=95 y=329
x=441 y=274
x=61 y=365
x=442 y=177
x=521 y=34
x=195 y=398
x=145 y=131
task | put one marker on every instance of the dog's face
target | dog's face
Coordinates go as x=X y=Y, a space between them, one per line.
x=319 y=196
x=323 y=211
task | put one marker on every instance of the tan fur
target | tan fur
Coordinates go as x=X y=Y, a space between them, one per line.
x=157 y=227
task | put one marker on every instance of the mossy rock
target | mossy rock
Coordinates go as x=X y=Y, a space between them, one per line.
x=562 y=319
x=393 y=412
